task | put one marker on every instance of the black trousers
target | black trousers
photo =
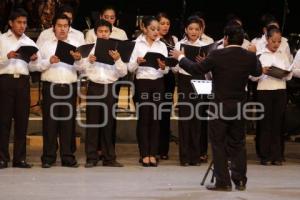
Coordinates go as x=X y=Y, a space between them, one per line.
x=165 y=131
x=189 y=129
x=117 y=92
x=59 y=112
x=271 y=126
x=228 y=141
x=100 y=121
x=14 y=104
x=148 y=92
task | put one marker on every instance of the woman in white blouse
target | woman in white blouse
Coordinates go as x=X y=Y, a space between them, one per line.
x=149 y=88
x=191 y=132
x=272 y=94
x=169 y=84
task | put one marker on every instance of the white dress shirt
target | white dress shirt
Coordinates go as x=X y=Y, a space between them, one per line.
x=296 y=65
x=61 y=72
x=100 y=72
x=245 y=44
x=9 y=42
x=205 y=38
x=49 y=33
x=260 y=44
x=140 y=50
x=277 y=59
x=117 y=33
x=197 y=43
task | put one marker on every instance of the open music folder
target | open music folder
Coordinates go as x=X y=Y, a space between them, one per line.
x=151 y=60
x=85 y=50
x=191 y=52
x=202 y=86
x=103 y=47
x=63 y=52
x=277 y=72
x=25 y=52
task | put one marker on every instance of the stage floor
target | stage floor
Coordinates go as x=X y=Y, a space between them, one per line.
x=168 y=181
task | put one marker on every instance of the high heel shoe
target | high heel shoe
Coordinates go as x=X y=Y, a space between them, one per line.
x=145 y=162
x=153 y=162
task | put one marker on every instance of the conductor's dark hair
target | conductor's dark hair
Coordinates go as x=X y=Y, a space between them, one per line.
x=231 y=18
x=193 y=19
x=65 y=8
x=102 y=22
x=147 y=20
x=60 y=16
x=17 y=13
x=271 y=30
x=235 y=34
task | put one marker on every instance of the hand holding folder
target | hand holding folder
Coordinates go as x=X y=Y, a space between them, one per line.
x=191 y=52
x=151 y=60
x=63 y=50
x=277 y=72
x=103 y=47
x=85 y=50
x=25 y=52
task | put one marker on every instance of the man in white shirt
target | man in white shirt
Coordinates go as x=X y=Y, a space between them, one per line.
x=14 y=90
x=73 y=33
x=108 y=14
x=59 y=97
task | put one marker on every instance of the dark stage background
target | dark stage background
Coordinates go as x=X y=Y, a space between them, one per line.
x=215 y=13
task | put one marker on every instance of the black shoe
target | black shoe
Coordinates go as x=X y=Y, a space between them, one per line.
x=22 y=164
x=164 y=157
x=264 y=162
x=277 y=163
x=240 y=185
x=112 y=164
x=194 y=164
x=204 y=159
x=100 y=157
x=184 y=164
x=90 y=164
x=46 y=165
x=225 y=188
x=144 y=164
x=72 y=165
x=153 y=164
x=3 y=164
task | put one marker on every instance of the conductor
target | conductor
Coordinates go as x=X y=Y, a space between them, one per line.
x=230 y=67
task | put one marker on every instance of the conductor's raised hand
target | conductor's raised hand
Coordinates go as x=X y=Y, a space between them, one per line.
x=200 y=58
x=54 y=59
x=76 y=55
x=114 y=54
x=176 y=53
x=12 y=54
x=92 y=58
x=140 y=60
x=161 y=64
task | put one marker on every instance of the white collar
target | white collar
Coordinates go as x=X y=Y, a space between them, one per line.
x=11 y=34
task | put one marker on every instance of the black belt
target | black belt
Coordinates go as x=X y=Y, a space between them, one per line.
x=59 y=84
x=15 y=76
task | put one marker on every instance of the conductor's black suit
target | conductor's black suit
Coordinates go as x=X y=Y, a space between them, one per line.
x=230 y=69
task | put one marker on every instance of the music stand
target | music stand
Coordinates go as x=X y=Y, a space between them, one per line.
x=36 y=77
x=210 y=168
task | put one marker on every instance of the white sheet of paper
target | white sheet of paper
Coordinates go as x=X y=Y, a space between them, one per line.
x=202 y=86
